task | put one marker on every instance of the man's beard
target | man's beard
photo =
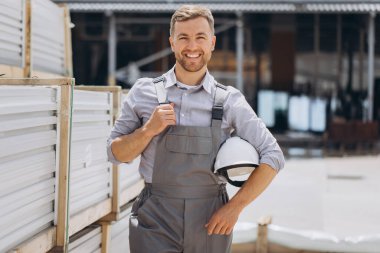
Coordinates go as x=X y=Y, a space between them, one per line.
x=191 y=66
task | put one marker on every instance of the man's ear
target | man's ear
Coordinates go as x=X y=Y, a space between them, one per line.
x=171 y=43
x=213 y=41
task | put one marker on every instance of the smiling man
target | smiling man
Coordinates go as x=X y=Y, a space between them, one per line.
x=177 y=123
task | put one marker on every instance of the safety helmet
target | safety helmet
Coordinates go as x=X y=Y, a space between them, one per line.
x=236 y=158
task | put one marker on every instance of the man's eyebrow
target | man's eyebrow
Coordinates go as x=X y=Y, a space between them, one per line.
x=184 y=34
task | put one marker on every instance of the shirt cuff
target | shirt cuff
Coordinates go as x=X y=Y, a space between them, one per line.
x=277 y=163
x=111 y=157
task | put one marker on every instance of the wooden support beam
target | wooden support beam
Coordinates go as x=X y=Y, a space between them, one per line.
x=68 y=44
x=64 y=114
x=11 y=71
x=106 y=236
x=42 y=75
x=115 y=189
x=38 y=81
x=40 y=243
x=89 y=216
x=262 y=234
x=27 y=61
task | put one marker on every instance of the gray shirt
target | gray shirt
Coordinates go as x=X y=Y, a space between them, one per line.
x=192 y=107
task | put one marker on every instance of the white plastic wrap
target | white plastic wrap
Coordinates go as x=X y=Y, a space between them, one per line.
x=246 y=232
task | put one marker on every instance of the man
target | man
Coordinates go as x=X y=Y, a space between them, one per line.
x=177 y=123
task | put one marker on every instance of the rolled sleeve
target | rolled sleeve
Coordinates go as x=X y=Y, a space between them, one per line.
x=110 y=155
x=248 y=126
x=127 y=122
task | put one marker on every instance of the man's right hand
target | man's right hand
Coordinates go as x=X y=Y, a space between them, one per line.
x=162 y=116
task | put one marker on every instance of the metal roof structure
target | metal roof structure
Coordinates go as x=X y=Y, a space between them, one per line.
x=226 y=6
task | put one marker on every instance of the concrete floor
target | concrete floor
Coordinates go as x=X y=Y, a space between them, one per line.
x=339 y=196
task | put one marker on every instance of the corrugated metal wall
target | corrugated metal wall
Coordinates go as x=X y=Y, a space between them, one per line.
x=120 y=235
x=48 y=37
x=86 y=241
x=11 y=32
x=90 y=176
x=28 y=138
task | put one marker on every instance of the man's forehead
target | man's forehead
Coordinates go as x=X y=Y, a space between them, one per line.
x=194 y=26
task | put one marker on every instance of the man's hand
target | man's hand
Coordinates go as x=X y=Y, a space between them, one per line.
x=162 y=117
x=223 y=220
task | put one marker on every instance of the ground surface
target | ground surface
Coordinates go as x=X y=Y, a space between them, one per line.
x=340 y=196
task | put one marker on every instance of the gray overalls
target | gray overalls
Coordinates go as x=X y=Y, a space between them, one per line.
x=169 y=215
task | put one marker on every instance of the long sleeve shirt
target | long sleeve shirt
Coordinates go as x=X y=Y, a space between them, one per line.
x=192 y=106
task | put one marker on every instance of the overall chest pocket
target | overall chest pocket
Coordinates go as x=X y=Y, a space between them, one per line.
x=192 y=142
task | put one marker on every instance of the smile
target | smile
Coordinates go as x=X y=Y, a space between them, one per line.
x=192 y=55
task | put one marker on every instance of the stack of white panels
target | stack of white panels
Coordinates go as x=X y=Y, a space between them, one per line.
x=88 y=240
x=28 y=139
x=90 y=175
x=129 y=177
x=120 y=235
x=11 y=32
x=48 y=37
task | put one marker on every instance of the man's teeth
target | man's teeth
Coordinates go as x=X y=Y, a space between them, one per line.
x=192 y=55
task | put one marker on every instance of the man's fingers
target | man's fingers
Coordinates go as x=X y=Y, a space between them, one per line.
x=168 y=117
x=218 y=228
x=166 y=106
x=224 y=229
x=210 y=227
x=171 y=122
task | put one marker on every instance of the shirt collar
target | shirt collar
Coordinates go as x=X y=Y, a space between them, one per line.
x=207 y=82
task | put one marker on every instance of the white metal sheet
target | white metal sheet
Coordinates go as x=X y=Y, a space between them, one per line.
x=90 y=171
x=52 y=47
x=10 y=12
x=88 y=200
x=11 y=32
x=26 y=123
x=16 y=144
x=48 y=28
x=26 y=196
x=33 y=212
x=11 y=41
x=12 y=3
x=13 y=239
x=86 y=241
x=27 y=162
x=10 y=22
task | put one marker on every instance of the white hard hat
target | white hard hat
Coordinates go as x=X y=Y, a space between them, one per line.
x=236 y=157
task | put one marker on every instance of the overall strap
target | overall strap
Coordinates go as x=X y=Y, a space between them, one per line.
x=217 y=109
x=160 y=90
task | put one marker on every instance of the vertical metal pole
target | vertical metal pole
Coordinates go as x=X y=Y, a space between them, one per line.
x=239 y=52
x=112 y=40
x=361 y=58
x=339 y=50
x=316 y=50
x=371 y=55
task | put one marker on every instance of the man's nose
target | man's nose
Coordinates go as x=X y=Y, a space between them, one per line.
x=192 y=44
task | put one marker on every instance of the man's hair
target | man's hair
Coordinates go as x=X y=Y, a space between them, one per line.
x=187 y=12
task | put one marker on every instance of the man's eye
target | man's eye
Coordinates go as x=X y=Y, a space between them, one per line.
x=201 y=38
x=182 y=38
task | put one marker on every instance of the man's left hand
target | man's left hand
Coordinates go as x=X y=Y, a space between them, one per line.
x=222 y=222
